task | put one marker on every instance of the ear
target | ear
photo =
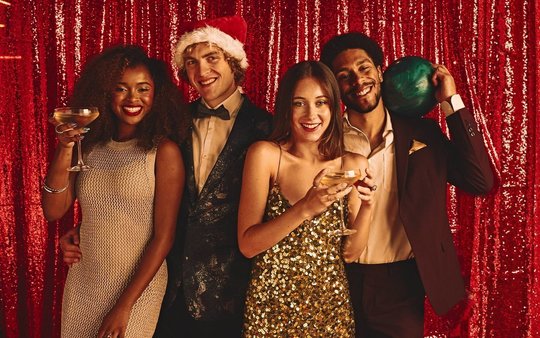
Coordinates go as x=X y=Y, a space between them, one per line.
x=379 y=73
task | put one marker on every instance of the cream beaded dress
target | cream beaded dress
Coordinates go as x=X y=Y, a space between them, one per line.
x=117 y=203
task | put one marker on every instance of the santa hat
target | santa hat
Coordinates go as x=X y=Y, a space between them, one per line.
x=228 y=33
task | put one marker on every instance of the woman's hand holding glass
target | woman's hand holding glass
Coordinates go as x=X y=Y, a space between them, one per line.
x=319 y=196
x=69 y=133
x=72 y=122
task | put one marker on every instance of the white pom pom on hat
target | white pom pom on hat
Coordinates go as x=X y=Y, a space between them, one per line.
x=228 y=33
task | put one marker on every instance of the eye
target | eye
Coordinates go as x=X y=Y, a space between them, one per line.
x=364 y=69
x=320 y=103
x=298 y=103
x=143 y=89
x=342 y=77
x=119 y=89
x=189 y=62
x=212 y=58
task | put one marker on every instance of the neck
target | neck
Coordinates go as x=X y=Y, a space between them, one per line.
x=213 y=104
x=371 y=123
x=123 y=135
x=308 y=151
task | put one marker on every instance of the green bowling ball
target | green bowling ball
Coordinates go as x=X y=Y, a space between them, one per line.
x=407 y=89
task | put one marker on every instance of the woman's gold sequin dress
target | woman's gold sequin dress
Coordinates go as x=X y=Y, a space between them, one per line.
x=298 y=287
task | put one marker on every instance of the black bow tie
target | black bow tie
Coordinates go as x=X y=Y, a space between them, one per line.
x=203 y=111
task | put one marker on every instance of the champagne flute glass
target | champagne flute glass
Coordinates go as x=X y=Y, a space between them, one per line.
x=81 y=116
x=336 y=177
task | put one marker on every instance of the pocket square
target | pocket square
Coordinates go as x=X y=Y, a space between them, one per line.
x=416 y=145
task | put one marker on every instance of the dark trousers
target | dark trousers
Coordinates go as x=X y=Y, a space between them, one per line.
x=388 y=299
x=175 y=321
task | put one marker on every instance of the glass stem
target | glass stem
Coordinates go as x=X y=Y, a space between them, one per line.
x=343 y=227
x=79 y=154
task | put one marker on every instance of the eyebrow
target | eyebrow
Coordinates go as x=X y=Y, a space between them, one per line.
x=303 y=98
x=358 y=62
x=211 y=53
x=138 y=83
x=214 y=52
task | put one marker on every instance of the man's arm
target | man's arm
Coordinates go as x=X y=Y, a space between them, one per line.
x=69 y=244
x=468 y=165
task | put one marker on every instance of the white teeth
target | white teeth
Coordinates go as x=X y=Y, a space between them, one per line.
x=132 y=109
x=207 y=82
x=364 y=91
x=310 y=125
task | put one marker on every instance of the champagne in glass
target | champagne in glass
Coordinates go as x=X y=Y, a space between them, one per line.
x=81 y=116
x=337 y=177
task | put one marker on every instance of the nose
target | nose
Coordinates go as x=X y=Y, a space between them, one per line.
x=204 y=67
x=311 y=110
x=133 y=94
x=355 y=79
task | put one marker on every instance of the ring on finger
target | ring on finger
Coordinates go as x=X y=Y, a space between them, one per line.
x=59 y=131
x=373 y=188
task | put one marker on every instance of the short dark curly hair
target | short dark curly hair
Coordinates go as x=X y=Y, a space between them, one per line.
x=168 y=117
x=352 y=40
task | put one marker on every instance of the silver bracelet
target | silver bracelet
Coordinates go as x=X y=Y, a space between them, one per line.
x=50 y=190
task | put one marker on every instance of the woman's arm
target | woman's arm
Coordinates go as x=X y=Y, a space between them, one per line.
x=170 y=177
x=58 y=191
x=254 y=236
x=359 y=213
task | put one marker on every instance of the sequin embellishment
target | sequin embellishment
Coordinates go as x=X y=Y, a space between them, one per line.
x=298 y=287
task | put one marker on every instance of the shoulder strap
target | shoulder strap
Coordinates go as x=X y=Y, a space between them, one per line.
x=279 y=165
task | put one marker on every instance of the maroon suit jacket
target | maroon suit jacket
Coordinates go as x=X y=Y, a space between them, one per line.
x=422 y=178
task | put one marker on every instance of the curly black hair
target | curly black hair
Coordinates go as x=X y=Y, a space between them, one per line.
x=352 y=40
x=169 y=116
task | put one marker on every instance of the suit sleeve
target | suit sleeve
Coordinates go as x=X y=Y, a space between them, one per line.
x=469 y=167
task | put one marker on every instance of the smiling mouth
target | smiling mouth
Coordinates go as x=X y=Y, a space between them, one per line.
x=363 y=90
x=132 y=111
x=310 y=126
x=207 y=82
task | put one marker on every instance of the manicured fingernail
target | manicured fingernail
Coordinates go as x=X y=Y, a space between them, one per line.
x=85 y=130
x=72 y=125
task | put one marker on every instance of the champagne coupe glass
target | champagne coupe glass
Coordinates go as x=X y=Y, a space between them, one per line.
x=81 y=116
x=336 y=177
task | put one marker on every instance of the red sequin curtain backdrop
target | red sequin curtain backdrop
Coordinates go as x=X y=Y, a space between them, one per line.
x=490 y=46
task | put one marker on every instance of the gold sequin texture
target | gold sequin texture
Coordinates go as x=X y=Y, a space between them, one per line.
x=298 y=287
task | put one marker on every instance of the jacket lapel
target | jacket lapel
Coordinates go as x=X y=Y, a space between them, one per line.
x=403 y=136
x=236 y=142
x=187 y=150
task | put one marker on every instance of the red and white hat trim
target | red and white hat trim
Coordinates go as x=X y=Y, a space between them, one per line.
x=214 y=36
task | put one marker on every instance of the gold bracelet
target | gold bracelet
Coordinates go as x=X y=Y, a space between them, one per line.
x=50 y=190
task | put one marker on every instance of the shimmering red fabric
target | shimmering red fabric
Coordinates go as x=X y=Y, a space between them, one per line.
x=490 y=46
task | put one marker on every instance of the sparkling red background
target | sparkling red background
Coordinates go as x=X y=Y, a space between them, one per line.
x=490 y=46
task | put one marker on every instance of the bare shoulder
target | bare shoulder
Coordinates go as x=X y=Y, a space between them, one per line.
x=168 y=149
x=352 y=161
x=261 y=149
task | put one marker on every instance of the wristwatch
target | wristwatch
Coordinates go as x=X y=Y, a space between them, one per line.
x=452 y=104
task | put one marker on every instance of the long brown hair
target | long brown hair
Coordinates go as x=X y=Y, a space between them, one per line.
x=331 y=143
x=169 y=116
